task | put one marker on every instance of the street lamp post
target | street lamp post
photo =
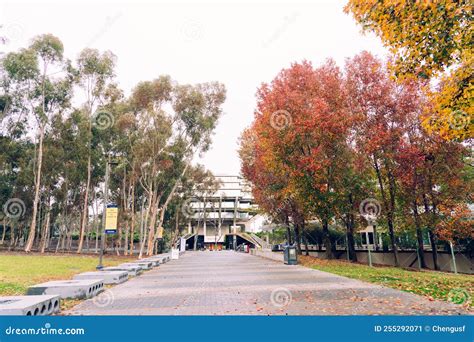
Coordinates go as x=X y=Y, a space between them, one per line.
x=104 y=213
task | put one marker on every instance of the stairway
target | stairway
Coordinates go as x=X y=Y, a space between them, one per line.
x=254 y=239
x=262 y=243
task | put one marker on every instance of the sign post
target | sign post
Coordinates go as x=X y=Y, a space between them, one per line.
x=109 y=215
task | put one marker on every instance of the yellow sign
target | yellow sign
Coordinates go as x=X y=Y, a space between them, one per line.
x=111 y=215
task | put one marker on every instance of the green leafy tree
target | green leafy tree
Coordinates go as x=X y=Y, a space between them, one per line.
x=35 y=89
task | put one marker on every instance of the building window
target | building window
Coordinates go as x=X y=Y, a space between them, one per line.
x=371 y=238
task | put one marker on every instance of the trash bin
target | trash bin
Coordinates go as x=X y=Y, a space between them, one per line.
x=290 y=256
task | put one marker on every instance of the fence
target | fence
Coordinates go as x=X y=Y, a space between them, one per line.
x=408 y=259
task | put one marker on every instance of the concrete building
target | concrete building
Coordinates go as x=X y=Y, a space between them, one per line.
x=226 y=218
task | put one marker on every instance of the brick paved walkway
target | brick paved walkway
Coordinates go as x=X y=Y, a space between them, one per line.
x=229 y=283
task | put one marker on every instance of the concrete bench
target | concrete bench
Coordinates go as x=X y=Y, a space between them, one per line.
x=108 y=277
x=154 y=262
x=162 y=258
x=145 y=265
x=84 y=288
x=29 y=305
x=156 y=258
x=133 y=270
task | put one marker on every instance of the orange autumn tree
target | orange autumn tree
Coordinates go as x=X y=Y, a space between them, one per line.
x=415 y=172
x=429 y=39
x=300 y=132
x=322 y=141
x=431 y=178
x=271 y=188
x=268 y=189
x=456 y=222
x=381 y=107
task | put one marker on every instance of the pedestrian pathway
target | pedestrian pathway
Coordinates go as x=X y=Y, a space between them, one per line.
x=230 y=283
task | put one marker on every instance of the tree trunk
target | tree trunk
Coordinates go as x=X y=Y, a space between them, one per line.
x=433 y=237
x=143 y=228
x=125 y=243
x=32 y=230
x=151 y=228
x=85 y=209
x=12 y=236
x=391 y=233
x=419 y=235
x=305 y=238
x=159 y=233
x=298 y=238
x=434 y=249
x=288 y=230
x=4 y=229
x=64 y=237
x=44 y=233
x=95 y=213
x=132 y=223
x=327 y=240
x=350 y=238
x=389 y=209
x=350 y=227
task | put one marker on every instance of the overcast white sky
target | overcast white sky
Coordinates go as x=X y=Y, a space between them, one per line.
x=240 y=44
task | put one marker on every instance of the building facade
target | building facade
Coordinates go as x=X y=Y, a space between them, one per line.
x=225 y=218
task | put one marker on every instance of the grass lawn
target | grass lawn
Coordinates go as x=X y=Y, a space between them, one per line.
x=458 y=289
x=19 y=271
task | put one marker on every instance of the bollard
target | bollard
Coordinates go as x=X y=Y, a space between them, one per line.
x=369 y=255
x=453 y=257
